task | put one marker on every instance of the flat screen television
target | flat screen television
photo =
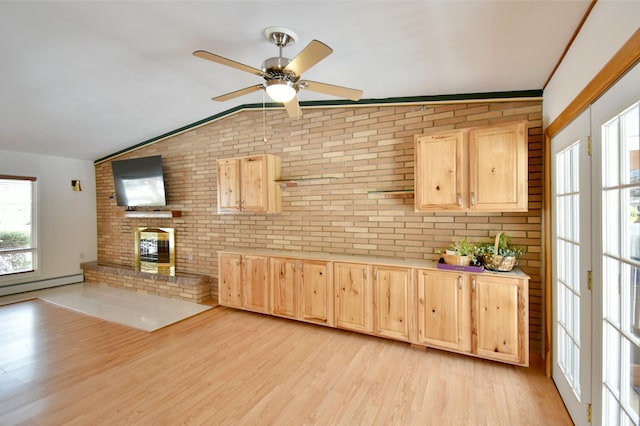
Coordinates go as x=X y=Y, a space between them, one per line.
x=139 y=182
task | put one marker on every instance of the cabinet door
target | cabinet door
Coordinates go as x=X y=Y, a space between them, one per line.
x=353 y=297
x=254 y=184
x=444 y=311
x=498 y=168
x=255 y=283
x=440 y=172
x=315 y=295
x=230 y=280
x=391 y=295
x=228 y=186
x=500 y=318
x=283 y=287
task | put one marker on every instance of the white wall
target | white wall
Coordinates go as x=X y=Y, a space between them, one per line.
x=610 y=24
x=67 y=219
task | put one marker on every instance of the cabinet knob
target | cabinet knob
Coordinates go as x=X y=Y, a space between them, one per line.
x=459 y=198
x=460 y=282
x=473 y=198
x=473 y=284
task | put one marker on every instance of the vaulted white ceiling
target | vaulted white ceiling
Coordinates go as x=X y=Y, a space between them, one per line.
x=84 y=79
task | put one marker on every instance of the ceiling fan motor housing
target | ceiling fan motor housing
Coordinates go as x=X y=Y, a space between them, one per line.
x=274 y=69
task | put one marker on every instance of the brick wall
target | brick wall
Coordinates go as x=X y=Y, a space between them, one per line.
x=363 y=149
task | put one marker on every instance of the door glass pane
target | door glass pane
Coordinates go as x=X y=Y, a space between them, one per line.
x=611 y=290
x=634 y=301
x=610 y=221
x=630 y=380
x=630 y=229
x=611 y=372
x=631 y=146
x=610 y=157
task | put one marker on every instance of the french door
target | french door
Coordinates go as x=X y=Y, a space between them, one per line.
x=571 y=227
x=596 y=260
x=616 y=128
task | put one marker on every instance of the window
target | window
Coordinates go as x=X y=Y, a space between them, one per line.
x=18 y=251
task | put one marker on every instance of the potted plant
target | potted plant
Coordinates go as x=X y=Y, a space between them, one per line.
x=461 y=253
x=500 y=255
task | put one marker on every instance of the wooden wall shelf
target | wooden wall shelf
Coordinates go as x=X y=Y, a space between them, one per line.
x=151 y=214
x=391 y=191
x=285 y=183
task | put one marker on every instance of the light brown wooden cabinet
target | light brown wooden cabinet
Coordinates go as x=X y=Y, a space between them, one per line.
x=440 y=171
x=393 y=294
x=480 y=169
x=301 y=289
x=444 y=310
x=352 y=283
x=242 y=281
x=500 y=318
x=248 y=184
x=480 y=314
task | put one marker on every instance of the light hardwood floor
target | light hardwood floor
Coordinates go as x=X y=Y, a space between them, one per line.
x=231 y=367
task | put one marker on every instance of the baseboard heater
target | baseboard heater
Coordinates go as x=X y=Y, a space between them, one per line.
x=40 y=284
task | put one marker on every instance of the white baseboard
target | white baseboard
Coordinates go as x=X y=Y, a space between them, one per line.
x=40 y=284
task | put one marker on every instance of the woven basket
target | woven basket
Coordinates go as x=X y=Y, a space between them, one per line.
x=452 y=259
x=500 y=263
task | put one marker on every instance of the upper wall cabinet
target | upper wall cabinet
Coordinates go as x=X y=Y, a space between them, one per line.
x=478 y=169
x=248 y=184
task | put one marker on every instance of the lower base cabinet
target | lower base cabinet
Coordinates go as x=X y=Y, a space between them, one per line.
x=301 y=289
x=353 y=297
x=242 y=281
x=500 y=319
x=480 y=314
x=316 y=292
x=444 y=310
x=393 y=293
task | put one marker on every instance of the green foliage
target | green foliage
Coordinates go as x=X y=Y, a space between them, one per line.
x=14 y=239
x=505 y=248
x=463 y=247
x=14 y=262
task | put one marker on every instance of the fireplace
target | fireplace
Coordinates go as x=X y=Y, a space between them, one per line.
x=155 y=250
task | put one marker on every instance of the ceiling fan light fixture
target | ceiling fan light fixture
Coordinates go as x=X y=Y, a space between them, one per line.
x=281 y=91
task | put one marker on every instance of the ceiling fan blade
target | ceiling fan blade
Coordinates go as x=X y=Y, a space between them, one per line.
x=330 y=89
x=228 y=62
x=293 y=108
x=310 y=55
x=237 y=93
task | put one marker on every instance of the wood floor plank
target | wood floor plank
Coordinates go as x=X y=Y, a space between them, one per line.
x=232 y=367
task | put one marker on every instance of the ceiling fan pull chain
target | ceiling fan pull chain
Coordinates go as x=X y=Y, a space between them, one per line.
x=264 y=119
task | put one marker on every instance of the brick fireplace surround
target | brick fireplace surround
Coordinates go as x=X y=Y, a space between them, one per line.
x=189 y=287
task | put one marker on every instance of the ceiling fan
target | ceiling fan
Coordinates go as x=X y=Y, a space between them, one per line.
x=282 y=75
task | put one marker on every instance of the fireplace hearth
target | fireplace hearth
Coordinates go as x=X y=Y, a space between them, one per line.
x=155 y=250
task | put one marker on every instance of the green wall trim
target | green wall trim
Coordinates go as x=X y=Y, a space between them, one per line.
x=380 y=101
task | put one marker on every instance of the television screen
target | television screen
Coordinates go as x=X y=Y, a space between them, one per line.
x=139 y=182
